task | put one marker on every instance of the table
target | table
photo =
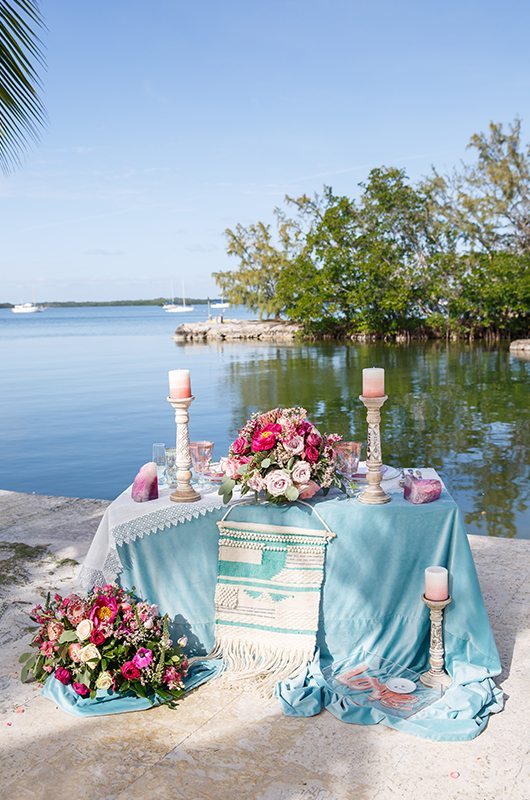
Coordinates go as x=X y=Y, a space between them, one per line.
x=371 y=594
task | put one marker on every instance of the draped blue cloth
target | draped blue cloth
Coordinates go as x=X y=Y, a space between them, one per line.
x=371 y=598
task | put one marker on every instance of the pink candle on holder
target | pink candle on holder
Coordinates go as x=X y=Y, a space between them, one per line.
x=436 y=583
x=373 y=382
x=179 y=384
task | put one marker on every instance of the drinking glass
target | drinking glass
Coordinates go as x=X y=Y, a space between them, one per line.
x=159 y=457
x=201 y=457
x=348 y=455
x=171 y=466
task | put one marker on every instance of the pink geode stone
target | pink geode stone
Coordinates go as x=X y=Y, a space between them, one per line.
x=421 y=490
x=145 y=486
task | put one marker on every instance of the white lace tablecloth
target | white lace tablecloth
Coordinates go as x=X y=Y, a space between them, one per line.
x=125 y=520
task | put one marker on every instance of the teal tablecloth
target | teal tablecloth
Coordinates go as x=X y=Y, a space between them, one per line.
x=371 y=597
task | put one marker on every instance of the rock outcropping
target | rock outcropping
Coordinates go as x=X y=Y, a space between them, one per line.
x=520 y=344
x=231 y=330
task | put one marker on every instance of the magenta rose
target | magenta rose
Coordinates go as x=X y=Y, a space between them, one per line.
x=63 y=675
x=97 y=636
x=240 y=446
x=104 y=609
x=130 y=671
x=314 y=439
x=304 y=428
x=80 y=689
x=311 y=454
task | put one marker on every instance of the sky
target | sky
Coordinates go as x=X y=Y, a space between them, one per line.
x=171 y=121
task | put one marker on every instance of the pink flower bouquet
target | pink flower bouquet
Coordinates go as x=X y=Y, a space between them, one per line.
x=108 y=641
x=281 y=455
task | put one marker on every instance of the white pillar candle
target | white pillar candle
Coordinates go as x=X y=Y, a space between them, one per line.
x=179 y=384
x=436 y=583
x=373 y=382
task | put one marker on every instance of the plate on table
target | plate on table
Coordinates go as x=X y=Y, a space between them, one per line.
x=389 y=473
x=215 y=473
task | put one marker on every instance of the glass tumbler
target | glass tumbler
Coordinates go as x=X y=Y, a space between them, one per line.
x=348 y=455
x=159 y=457
x=201 y=458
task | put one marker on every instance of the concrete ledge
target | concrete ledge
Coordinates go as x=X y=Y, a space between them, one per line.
x=221 y=743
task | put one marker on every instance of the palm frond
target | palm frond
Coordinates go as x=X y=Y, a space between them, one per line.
x=22 y=113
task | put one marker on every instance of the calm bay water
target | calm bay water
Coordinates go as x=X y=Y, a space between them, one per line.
x=83 y=393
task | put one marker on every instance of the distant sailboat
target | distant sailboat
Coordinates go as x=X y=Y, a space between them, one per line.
x=26 y=308
x=174 y=308
x=222 y=304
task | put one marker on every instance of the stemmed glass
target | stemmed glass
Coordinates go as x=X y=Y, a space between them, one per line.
x=159 y=457
x=348 y=455
x=201 y=457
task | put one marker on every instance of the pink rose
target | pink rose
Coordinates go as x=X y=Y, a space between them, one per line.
x=294 y=445
x=240 y=446
x=47 y=649
x=73 y=652
x=142 y=658
x=80 y=689
x=277 y=482
x=307 y=491
x=97 y=636
x=301 y=472
x=130 y=671
x=54 y=629
x=256 y=482
x=311 y=454
x=63 y=675
x=230 y=466
x=314 y=439
x=304 y=428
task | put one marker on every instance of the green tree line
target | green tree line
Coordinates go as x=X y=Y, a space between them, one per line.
x=447 y=255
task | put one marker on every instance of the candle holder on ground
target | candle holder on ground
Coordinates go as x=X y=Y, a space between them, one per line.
x=374 y=494
x=184 y=493
x=436 y=675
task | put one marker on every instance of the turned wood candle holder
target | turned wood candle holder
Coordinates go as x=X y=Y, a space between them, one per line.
x=374 y=494
x=184 y=493
x=436 y=675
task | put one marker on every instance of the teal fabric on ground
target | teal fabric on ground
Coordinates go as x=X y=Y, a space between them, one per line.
x=371 y=598
x=108 y=702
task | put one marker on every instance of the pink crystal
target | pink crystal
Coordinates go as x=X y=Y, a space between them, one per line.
x=421 y=490
x=145 y=486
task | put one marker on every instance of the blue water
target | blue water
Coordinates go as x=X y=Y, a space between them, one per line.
x=83 y=398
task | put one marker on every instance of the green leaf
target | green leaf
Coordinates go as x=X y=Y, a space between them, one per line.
x=266 y=463
x=290 y=462
x=242 y=469
x=292 y=493
x=24 y=657
x=68 y=636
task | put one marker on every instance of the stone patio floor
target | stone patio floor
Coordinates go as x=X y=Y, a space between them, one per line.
x=219 y=743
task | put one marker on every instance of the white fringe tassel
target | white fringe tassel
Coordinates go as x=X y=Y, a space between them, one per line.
x=258 y=667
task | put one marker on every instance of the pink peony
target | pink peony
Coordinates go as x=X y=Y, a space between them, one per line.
x=73 y=652
x=54 y=629
x=130 y=671
x=294 y=445
x=104 y=609
x=277 y=482
x=63 y=675
x=240 y=446
x=307 y=491
x=265 y=438
x=80 y=689
x=301 y=472
x=311 y=454
x=143 y=658
x=47 y=649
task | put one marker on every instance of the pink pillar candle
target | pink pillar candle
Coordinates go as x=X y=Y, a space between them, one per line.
x=436 y=583
x=373 y=382
x=179 y=384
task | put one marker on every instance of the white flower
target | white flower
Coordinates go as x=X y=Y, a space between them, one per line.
x=148 y=624
x=104 y=681
x=278 y=481
x=84 y=629
x=89 y=653
x=301 y=472
x=183 y=641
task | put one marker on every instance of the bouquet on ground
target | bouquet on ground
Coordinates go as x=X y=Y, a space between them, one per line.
x=109 y=640
x=281 y=455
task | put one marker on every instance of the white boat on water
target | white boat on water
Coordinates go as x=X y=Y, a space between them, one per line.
x=26 y=308
x=175 y=308
x=222 y=304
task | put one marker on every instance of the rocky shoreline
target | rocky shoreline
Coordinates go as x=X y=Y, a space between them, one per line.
x=232 y=330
